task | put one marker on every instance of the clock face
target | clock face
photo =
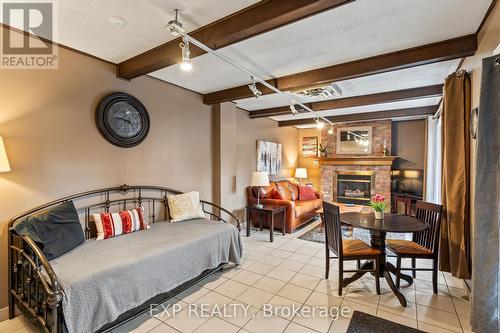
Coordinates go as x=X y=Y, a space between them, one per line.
x=124 y=119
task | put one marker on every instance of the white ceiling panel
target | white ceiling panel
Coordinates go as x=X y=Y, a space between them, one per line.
x=365 y=108
x=84 y=24
x=357 y=30
x=396 y=80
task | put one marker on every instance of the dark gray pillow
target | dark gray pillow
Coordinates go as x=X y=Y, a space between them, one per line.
x=56 y=230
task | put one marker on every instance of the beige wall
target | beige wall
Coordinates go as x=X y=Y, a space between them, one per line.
x=408 y=143
x=313 y=170
x=228 y=157
x=488 y=40
x=47 y=122
x=239 y=135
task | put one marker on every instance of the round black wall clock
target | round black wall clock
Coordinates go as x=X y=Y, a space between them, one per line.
x=122 y=120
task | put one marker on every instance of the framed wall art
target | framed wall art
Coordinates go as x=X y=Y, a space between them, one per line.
x=354 y=140
x=269 y=157
x=310 y=146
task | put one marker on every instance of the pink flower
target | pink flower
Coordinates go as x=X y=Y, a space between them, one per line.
x=378 y=198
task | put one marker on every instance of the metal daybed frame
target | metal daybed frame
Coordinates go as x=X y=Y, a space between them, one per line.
x=34 y=287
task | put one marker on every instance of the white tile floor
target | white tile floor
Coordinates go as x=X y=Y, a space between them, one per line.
x=290 y=272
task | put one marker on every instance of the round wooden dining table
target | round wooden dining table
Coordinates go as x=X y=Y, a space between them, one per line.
x=378 y=230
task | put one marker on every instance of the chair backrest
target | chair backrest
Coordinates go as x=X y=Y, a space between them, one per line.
x=333 y=231
x=405 y=201
x=431 y=214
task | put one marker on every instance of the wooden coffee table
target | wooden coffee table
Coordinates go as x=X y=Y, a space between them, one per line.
x=266 y=210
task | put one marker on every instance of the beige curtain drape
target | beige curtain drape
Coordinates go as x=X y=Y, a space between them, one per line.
x=455 y=232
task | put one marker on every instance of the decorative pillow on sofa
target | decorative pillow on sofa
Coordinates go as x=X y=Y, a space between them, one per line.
x=185 y=206
x=265 y=191
x=277 y=194
x=307 y=193
x=56 y=230
x=294 y=188
x=284 y=188
x=114 y=224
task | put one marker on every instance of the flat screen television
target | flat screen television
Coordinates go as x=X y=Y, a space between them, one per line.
x=408 y=181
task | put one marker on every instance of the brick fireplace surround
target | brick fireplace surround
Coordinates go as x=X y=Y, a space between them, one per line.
x=375 y=162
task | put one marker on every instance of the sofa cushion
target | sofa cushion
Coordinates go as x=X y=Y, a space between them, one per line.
x=294 y=187
x=286 y=192
x=306 y=193
x=266 y=192
x=304 y=207
x=276 y=194
x=56 y=230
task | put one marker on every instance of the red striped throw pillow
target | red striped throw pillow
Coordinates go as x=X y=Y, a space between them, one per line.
x=114 y=224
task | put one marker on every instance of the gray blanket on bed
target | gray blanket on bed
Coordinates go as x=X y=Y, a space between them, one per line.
x=103 y=279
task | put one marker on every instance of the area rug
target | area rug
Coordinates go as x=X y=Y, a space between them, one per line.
x=317 y=235
x=364 y=323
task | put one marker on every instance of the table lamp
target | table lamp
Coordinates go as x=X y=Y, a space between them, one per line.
x=4 y=161
x=259 y=179
x=300 y=173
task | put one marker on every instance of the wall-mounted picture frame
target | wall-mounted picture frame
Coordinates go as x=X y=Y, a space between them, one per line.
x=354 y=140
x=310 y=146
x=269 y=157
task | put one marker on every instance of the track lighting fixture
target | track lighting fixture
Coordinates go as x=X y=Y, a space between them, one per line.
x=319 y=123
x=186 y=64
x=253 y=87
x=176 y=29
x=293 y=108
x=330 y=130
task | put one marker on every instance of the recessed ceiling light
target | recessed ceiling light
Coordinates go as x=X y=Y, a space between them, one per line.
x=118 y=21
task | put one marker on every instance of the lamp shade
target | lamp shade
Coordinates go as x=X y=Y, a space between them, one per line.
x=4 y=162
x=300 y=173
x=260 y=179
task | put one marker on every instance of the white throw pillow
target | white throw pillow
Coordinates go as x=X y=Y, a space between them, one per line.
x=185 y=206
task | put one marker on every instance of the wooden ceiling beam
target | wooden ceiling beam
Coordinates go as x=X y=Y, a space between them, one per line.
x=249 y=22
x=378 y=98
x=427 y=54
x=377 y=115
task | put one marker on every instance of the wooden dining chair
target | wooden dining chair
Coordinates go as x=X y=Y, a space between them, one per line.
x=348 y=249
x=424 y=244
x=405 y=201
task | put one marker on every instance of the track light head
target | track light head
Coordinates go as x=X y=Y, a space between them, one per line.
x=293 y=108
x=319 y=123
x=186 y=64
x=253 y=88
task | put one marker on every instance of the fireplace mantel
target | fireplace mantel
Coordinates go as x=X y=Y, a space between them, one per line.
x=358 y=160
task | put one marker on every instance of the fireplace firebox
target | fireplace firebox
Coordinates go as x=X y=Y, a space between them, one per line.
x=354 y=187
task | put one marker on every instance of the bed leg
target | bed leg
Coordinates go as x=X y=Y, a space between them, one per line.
x=53 y=302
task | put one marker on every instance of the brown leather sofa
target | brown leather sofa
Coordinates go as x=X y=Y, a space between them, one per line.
x=298 y=212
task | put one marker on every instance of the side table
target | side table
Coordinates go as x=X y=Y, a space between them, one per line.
x=266 y=210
